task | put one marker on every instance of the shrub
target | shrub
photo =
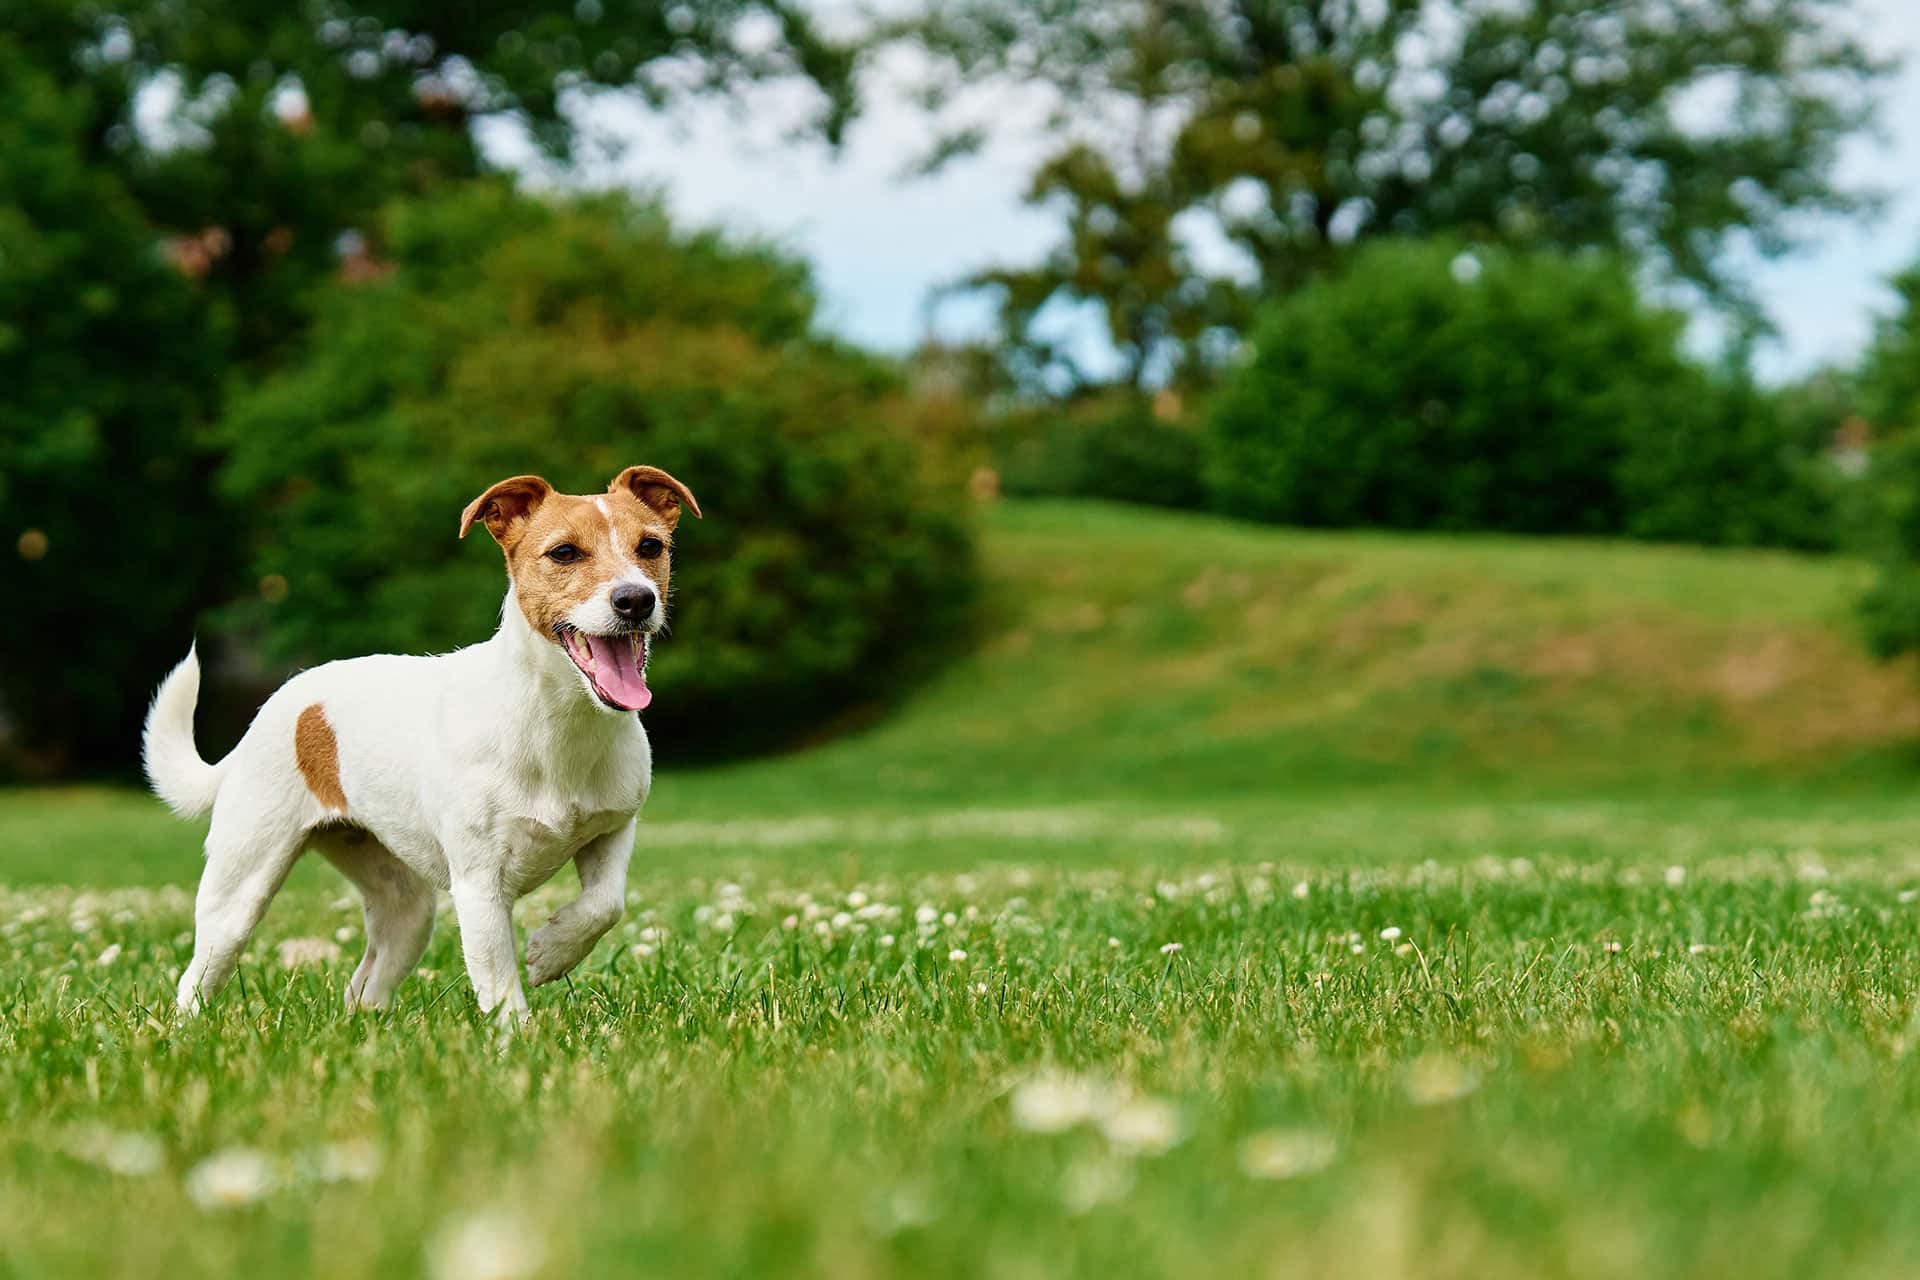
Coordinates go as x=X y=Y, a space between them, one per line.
x=1431 y=389
x=1121 y=452
x=1741 y=466
x=572 y=339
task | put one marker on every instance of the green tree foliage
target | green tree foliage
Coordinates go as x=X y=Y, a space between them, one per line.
x=1890 y=377
x=1890 y=395
x=107 y=379
x=576 y=339
x=291 y=123
x=1662 y=130
x=1435 y=389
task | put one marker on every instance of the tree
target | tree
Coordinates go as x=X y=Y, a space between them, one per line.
x=1890 y=378
x=291 y=124
x=109 y=373
x=1663 y=130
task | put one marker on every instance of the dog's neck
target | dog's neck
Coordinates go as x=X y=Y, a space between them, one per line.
x=554 y=714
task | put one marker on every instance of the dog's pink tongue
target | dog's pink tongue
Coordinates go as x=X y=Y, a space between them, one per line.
x=616 y=669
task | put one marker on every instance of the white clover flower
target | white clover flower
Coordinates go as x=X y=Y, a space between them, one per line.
x=1113 y=944
x=956 y=955
x=1142 y=1126
x=1676 y=876
x=354 y=1160
x=108 y=956
x=857 y=899
x=1172 y=948
x=1437 y=1078
x=1906 y=896
x=886 y=940
x=641 y=950
x=131 y=1155
x=949 y=919
x=1054 y=1103
x=1302 y=889
x=493 y=1244
x=1287 y=1153
x=1358 y=948
x=790 y=923
x=1698 y=948
x=1610 y=947
x=924 y=914
x=301 y=953
x=1404 y=949
x=343 y=935
x=979 y=988
x=842 y=920
x=231 y=1179
x=1390 y=934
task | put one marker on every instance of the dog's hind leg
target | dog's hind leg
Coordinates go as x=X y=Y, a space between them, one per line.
x=564 y=941
x=398 y=907
x=248 y=857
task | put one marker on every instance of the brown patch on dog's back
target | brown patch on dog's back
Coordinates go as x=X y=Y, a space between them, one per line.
x=317 y=752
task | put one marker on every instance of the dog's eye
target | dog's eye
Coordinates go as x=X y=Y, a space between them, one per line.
x=650 y=548
x=565 y=553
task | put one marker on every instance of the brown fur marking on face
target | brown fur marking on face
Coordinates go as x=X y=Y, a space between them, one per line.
x=606 y=529
x=317 y=752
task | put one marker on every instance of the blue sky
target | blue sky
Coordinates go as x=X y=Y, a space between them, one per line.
x=879 y=244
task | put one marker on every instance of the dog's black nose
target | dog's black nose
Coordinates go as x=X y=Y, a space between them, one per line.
x=633 y=602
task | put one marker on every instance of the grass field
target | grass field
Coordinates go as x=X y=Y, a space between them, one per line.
x=1250 y=903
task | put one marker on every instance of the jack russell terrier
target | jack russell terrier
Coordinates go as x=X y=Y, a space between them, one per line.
x=479 y=771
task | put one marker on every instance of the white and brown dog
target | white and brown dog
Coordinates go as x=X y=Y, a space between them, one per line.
x=479 y=772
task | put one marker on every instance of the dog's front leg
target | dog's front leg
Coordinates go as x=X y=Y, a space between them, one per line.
x=485 y=915
x=564 y=941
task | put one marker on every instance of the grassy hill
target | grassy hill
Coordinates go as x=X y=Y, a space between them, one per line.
x=1128 y=649
x=1148 y=680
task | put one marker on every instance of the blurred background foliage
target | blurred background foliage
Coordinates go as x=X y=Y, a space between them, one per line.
x=589 y=334
x=1429 y=387
x=267 y=318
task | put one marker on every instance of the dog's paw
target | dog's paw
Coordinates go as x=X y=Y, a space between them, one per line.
x=550 y=955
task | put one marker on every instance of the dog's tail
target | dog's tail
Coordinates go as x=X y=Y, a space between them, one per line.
x=174 y=768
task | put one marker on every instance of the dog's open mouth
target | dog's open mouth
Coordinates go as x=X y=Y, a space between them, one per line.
x=616 y=666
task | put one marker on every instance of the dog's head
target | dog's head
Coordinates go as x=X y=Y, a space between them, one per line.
x=590 y=572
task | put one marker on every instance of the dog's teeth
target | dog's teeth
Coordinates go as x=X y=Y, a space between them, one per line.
x=636 y=645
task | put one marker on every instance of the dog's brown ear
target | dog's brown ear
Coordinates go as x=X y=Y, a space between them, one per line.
x=658 y=490
x=509 y=501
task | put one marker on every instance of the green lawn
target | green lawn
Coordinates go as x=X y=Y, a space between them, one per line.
x=1250 y=902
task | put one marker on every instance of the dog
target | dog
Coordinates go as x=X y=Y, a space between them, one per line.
x=478 y=772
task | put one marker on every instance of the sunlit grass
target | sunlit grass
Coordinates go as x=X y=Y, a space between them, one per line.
x=1528 y=1066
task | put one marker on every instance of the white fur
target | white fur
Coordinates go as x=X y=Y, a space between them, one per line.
x=479 y=772
x=179 y=776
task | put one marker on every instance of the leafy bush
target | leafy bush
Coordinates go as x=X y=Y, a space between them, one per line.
x=1532 y=392
x=1121 y=452
x=1742 y=466
x=572 y=340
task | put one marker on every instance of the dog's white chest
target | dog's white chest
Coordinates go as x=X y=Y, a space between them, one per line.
x=537 y=843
